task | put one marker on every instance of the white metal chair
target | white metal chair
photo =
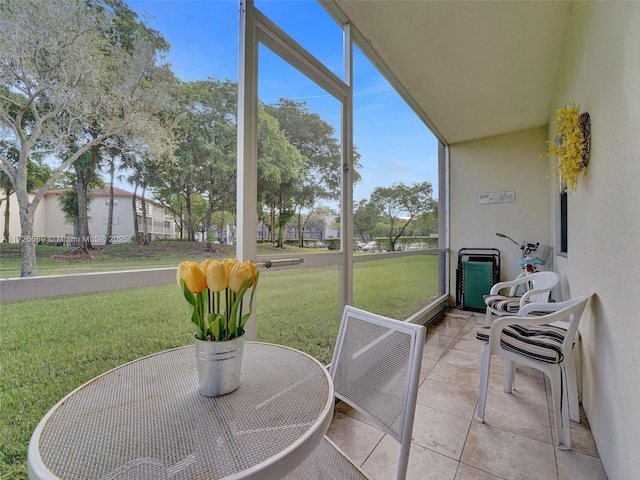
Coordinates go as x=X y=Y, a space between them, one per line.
x=375 y=369
x=538 y=285
x=534 y=342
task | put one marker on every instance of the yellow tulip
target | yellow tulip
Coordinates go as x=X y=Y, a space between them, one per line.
x=181 y=269
x=194 y=278
x=254 y=269
x=216 y=274
x=229 y=263
x=240 y=273
x=205 y=264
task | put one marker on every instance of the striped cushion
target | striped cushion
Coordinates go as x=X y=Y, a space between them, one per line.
x=502 y=303
x=539 y=342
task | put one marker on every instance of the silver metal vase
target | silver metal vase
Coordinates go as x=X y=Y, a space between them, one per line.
x=219 y=365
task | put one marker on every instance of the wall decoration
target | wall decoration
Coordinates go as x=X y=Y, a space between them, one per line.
x=574 y=145
x=496 y=197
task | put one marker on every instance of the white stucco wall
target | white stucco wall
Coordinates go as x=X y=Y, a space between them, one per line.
x=601 y=72
x=505 y=163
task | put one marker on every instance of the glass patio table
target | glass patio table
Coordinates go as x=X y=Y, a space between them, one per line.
x=147 y=420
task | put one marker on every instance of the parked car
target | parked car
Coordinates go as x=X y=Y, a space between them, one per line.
x=370 y=247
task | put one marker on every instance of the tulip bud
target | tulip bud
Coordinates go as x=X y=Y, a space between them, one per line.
x=254 y=269
x=229 y=263
x=216 y=274
x=205 y=264
x=240 y=273
x=180 y=271
x=194 y=278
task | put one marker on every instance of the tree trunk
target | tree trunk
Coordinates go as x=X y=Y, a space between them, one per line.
x=207 y=224
x=136 y=230
x=280 y=226
x=300 y=230
x=7 y=213
x=27 y=240
x=145 y=229
x=272 y=220
x=112 y=172
x=84 y=242
x=222 y=227
x=191 y=234
x=177 y=219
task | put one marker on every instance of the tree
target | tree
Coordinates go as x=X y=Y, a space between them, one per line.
x=280 y=168
x=38 y=173
x=60 y=73
x=400 y=204
x=69 y=203
x=315 y=140
x=208 y=133
x=365 y=218
x=427 y=223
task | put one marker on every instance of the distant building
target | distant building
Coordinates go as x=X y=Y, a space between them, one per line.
x=51 y=226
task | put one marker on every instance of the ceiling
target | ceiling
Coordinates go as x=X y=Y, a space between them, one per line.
x=473 y=69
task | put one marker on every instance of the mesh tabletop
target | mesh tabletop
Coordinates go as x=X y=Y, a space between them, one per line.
x=147 y=420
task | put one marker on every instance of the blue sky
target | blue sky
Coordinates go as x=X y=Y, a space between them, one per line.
x=394 y=144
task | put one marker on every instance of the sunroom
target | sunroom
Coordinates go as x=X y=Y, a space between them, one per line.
x=487 y=78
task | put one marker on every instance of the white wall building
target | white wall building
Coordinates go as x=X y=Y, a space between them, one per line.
x=53 y=227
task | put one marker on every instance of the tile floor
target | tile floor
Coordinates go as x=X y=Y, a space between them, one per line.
x=515 y=442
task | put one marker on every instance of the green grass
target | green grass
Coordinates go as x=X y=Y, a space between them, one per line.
x=48 y=347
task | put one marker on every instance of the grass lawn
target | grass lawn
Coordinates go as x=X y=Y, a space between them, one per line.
x=48 y=347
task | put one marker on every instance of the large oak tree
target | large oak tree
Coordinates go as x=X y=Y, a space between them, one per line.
x=65 y=87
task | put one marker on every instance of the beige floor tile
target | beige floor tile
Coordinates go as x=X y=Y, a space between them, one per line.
x=439 y=340
x=440 y=431
x=432 y=352
x=465 y=472
x=455 y=375
x=512 y=414
x=427 y=366
x=346 y=409
x=468 y=332
x=462 y=359
x=508 y=455
x=424 y=464
x=450 y=330
x=529 y=388
x=459 y=400
x=581 y=437
x=453 y=311
x=357 y=439
x=454 y=321
x=473 y=346
x=574 y=465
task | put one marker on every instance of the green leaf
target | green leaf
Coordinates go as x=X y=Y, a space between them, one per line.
x=191 y=298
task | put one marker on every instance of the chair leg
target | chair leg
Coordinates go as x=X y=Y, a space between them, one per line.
x=572 y=388
x=560 y=409
x=509 y=376
x=487 y=317
x=485 y=367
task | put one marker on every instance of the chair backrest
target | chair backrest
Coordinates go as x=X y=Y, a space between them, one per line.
x=569 y=312
x=542 y=281
x=376 y=369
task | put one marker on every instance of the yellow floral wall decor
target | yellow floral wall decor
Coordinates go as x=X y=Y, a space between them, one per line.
x=572 y=150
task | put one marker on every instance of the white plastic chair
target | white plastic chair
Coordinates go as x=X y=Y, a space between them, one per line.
x=375 y=369
x=570 y=363
x=532 y=341
x=538 y=284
